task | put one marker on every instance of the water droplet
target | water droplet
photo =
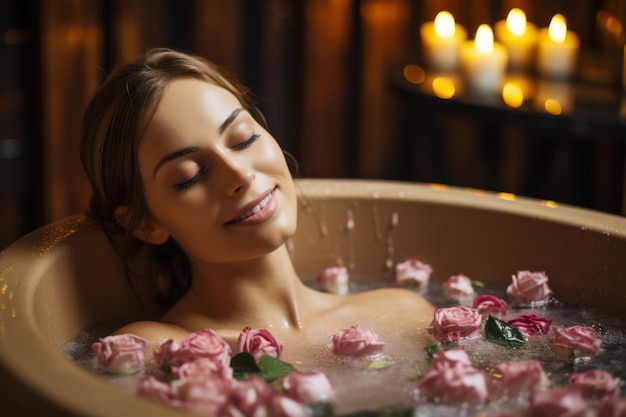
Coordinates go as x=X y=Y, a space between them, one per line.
x=395 y=218
x=350 y=220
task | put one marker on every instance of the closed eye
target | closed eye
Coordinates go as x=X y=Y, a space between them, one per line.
x=246 y=144
x=186 y=184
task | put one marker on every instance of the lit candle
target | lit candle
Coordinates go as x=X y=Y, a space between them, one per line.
x=440 y=42
x=558 y=49
x=520 y=38
x=484 y=61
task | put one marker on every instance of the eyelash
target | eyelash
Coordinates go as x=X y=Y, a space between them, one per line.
x=239 y=147
x=184 y=185
x=247 y=143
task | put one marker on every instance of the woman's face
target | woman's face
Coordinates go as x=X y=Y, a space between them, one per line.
x=214 y=179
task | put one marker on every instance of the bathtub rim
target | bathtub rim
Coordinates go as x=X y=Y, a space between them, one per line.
x=81 y=390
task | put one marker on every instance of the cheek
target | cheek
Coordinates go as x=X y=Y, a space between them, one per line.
x=273 y=154
x=181 y=216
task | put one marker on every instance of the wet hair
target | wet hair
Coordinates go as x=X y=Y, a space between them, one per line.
x=113 y=124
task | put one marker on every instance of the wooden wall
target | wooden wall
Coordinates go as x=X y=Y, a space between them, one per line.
x=71 y=59
x=319 y=68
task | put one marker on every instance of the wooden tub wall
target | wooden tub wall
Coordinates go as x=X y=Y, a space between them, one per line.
x=65 y=277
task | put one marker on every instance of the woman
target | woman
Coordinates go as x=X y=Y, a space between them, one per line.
x=186 y=176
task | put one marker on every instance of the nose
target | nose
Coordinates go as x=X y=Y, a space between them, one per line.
x=237 y=175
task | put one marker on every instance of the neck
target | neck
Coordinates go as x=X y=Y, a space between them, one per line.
x=262 y=292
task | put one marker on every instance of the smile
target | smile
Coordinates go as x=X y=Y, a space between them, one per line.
x=255 y=210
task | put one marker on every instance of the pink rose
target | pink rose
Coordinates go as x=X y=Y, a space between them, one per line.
x=334 y=279
x=529 y=288
x=596 y=382
x=450 y=357
x=259 y=342
x=202 y=395
x=247 y=396
x=158 y=391
x=575 y=341
x=166 y=353
x=458 y=286
x=283 y=406
x=413 y=273
x=121 y=354
x=454 y=323
x=202 y=368
x=255 y=397
x=490 y=305
x=561 y=402
x=308 y=387
x=204 y=343
x=519 y=377
x=612 y=406
x=455 y=381
x=530 y=324
x=355 y=341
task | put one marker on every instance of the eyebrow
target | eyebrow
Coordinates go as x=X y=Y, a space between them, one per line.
x=229 y=120
x=174 y=155
x=185 y=151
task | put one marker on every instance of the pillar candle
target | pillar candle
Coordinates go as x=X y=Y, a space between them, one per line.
x=519 y=37
x=557 y=54
x=440 y=42
x=484 y=61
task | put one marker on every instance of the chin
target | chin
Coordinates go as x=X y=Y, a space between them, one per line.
x=285 y=228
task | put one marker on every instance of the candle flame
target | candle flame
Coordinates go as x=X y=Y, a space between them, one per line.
x=558 y=28
x=484 y=39
x=444 y=25
x=516 y=22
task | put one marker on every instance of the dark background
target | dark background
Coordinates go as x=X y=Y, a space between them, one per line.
x=325 y=74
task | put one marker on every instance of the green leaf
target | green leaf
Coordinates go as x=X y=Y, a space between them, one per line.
x=243 y=364
x=476 y=283
x=165 y=367
x=498 y=332
x=434 y=347
x=322 y=409
x=378 y=364
x=273 y=368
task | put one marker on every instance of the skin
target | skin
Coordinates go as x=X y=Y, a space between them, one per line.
x=204 y=164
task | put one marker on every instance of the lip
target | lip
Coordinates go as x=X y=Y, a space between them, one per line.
x=257 y=211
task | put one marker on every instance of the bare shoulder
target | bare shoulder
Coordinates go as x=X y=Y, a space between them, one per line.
x=401 y=297
x=154 y=331
x=394 y=313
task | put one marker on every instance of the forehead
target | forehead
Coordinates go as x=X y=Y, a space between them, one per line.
x=188 y=108
x=189 y=114
x=192 y=101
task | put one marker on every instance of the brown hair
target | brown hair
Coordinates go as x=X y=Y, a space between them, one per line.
x=113 y=125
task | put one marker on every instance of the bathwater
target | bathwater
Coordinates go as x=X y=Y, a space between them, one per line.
x=360 y=389
x=391 y=386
